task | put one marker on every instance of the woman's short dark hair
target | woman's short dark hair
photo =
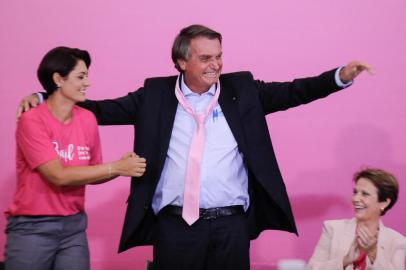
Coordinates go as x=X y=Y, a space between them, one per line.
x=180 y=47
x=385 y=183
x=61 y=60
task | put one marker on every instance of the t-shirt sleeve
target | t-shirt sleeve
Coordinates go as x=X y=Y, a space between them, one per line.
x=34 y=141
x=95 y=150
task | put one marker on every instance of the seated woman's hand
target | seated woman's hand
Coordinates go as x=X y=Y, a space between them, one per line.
x=365 y=238
x=352 y=254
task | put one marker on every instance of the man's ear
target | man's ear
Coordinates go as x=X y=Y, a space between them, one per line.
x=58 y=79
x=182 y=64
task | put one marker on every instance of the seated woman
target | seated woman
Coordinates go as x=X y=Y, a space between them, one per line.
x=58 y=152
x=363 y=242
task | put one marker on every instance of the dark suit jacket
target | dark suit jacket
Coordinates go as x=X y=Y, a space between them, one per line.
x=245 y=102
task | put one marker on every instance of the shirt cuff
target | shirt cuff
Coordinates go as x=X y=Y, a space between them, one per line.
x=40 y=98
x=338 y=80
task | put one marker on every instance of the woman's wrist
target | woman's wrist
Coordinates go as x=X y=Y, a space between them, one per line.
x=346 y=262
x=110 y=170
x=113 y=168
x=372 y=254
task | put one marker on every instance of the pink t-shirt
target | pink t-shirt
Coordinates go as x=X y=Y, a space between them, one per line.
x=41 y=138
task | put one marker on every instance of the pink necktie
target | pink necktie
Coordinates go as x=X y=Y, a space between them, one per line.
x=191 y=193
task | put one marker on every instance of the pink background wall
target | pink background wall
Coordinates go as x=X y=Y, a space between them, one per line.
x=318 y=146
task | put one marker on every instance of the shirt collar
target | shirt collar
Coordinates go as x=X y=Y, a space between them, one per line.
x=187 y=92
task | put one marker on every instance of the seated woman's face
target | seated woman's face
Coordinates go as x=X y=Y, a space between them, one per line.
x=74 y=85
x=365 y=201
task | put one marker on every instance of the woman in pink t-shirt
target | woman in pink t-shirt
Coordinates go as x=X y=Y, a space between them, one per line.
x=58 y=152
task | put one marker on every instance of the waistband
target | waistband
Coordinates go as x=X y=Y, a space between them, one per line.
x=206 y=213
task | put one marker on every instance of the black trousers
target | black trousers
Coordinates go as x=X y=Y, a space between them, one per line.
x=209 y=244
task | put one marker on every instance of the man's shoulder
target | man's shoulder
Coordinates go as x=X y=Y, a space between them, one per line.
x=160 y=80
x=240 y=75
x=240 y=80
x=234 y=79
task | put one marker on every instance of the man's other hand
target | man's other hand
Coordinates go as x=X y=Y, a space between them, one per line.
x=353 y=69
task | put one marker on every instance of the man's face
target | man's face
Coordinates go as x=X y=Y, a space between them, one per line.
x=204 y=65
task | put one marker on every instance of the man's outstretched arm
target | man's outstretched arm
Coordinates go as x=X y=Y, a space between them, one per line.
x=119 y=111
x=279 y=96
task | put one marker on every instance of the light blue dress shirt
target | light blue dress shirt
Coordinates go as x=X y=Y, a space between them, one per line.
x=224 y=179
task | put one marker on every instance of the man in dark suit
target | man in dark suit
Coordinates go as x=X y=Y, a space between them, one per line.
x=241 y=190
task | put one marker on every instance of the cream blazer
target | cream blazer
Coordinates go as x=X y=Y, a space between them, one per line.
x=336 y=239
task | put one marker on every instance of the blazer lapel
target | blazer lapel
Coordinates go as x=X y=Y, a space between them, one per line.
x=382 y=237
x=167 y=118
x=229 y=101
x=349 y=234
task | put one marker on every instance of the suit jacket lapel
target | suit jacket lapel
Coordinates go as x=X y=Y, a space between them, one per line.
x=229 y=101
x=167 y=117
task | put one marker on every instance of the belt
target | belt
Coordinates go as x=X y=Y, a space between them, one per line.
x=209 y=213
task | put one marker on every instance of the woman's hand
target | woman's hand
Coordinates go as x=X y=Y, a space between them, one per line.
x=352 y=253
x=367 y=240
x=130 y=164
